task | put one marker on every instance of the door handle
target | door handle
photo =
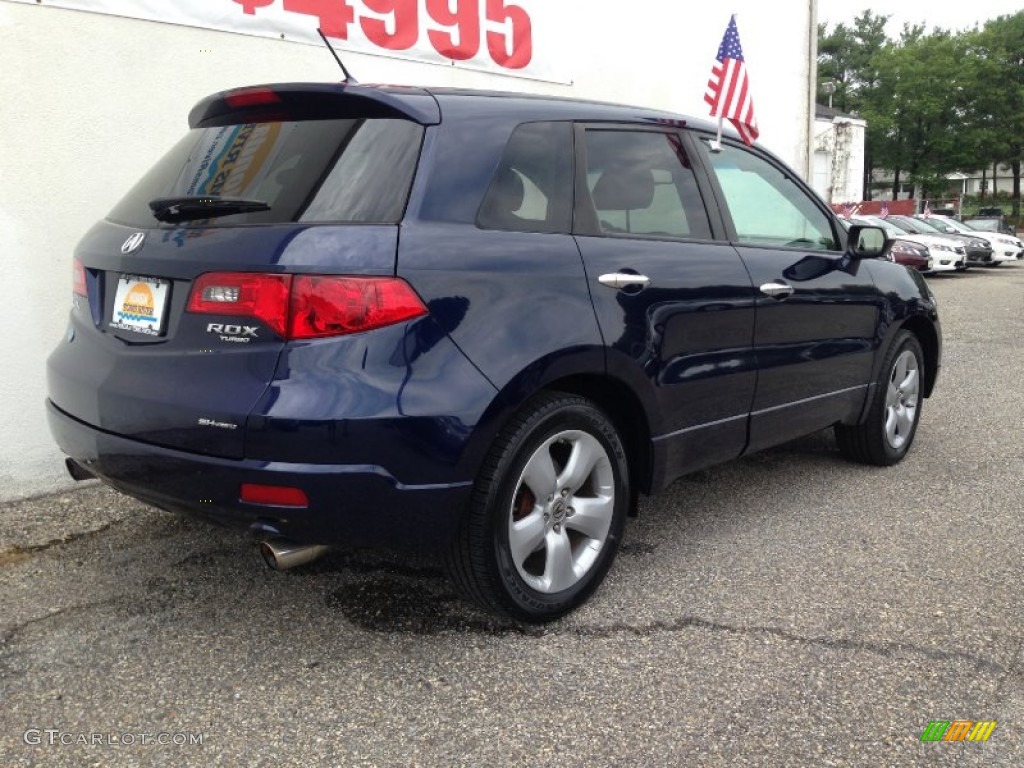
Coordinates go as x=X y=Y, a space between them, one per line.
x=624 y=280
x=777 y=290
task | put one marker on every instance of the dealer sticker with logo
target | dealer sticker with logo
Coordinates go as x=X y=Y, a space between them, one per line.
x=140 y=305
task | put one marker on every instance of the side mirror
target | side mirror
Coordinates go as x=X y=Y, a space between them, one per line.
x=865 y=242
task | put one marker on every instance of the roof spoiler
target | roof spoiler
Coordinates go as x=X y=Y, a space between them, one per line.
x=314 y=101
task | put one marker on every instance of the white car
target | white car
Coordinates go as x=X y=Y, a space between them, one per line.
x=1004 y=247
x=947 y=255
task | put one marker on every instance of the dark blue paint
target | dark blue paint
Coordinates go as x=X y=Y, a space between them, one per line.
x=386 y=431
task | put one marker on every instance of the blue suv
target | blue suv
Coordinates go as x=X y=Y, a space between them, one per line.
x=472 y=323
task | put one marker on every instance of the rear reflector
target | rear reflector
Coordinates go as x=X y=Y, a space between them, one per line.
x=273 y=495
x=307 y=306
x=78 y=279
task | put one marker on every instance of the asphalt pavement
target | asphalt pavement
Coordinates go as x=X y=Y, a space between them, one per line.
x=786 y=609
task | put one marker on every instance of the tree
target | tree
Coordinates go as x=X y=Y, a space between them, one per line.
x=844 y=58
x=934 y=102
x=1000 y=54
x=917 y=109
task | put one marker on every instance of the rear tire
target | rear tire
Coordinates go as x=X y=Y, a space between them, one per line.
x=888 y=432
x=547 y=512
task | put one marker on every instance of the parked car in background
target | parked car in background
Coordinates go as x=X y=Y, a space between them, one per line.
x=946 y=255
x=901 y=250
x=474 y=323
x=977 y=251
x=1004 y=247
x=991 y=224
x=910 y=254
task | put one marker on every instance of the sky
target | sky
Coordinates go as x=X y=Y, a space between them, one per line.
x=960 y=15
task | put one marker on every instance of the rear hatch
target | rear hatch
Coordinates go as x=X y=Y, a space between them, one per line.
x=227 y=249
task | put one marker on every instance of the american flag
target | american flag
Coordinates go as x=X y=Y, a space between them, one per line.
x=884 y=214
x=728 y=92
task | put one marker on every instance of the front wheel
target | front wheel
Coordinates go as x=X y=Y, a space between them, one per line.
x=886 y=435
x=547 y=512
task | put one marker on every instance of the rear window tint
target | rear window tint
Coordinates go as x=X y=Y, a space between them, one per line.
x=532 y=188
x=357 y=170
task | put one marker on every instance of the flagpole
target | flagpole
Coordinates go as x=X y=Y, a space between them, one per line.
x=721 y=115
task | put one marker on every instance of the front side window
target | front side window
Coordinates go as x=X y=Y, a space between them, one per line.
x=767 y=207
x=641 y=184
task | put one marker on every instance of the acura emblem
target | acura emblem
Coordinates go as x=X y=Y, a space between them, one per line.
x=133 y=243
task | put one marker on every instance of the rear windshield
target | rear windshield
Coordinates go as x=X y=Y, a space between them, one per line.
x=354 y=170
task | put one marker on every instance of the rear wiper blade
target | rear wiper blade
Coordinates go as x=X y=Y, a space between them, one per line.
x=174 y=209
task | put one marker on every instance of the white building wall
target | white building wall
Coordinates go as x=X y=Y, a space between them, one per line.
x=839 y=159
x=91 y=101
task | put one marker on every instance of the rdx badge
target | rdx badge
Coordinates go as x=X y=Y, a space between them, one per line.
x=240 y=334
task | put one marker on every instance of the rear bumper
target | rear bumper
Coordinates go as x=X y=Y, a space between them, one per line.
x=349 y=505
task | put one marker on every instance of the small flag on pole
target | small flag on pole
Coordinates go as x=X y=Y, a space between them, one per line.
x=728 y=92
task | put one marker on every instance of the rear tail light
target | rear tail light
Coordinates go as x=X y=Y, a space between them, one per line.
x=307 y=306
x=257 y=295
x=78 y=279
x=333 y=306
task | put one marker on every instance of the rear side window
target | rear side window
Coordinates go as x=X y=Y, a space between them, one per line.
x=352 y=170
x=532 y=188
x=642 y=184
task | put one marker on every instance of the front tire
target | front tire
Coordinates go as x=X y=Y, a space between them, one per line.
x=547 y=512
x=888 y=432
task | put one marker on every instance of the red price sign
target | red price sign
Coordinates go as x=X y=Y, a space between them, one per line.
x=334 y=15
x=460 y=39
x=250 y=6
x=453 y=28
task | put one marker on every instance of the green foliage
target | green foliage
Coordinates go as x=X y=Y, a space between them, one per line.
x=1001 y=51
x=845 y=58
x=935 y=102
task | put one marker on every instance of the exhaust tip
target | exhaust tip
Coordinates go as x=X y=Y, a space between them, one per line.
x=282 y=554
x=77 y=471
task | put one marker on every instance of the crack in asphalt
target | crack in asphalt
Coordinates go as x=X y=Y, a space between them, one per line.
x=435 y=624
x=1014 y=668
x=14 y=552
x=400 y=613
x=400 y=605
x=9 y=635
x=887 y=650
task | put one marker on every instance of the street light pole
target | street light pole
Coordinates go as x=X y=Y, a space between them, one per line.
x=828 y=87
